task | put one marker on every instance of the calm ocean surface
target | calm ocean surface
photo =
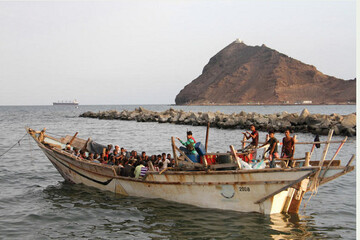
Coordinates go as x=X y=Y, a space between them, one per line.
x=36 y=203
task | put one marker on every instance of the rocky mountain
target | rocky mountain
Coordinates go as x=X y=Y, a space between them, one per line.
x=241 y=74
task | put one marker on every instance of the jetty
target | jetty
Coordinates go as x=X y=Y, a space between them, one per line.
x=304 y=122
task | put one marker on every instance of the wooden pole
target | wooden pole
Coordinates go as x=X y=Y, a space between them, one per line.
x=73 y=138
x=332 y=159
x=233 y=151
x=204 y=160
x=322 y=142
x=326 y=147
x=316 y=180
x=307 y=159
x=207 y=137
x=350 y=161
x=294 y=161
x=174 y=150
x=337 y=151
x=312 y=150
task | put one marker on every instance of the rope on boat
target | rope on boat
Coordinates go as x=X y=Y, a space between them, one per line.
x=313 y=193
x=17 y=143
x=31 y=147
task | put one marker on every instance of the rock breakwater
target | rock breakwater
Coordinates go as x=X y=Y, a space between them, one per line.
x=303 y=122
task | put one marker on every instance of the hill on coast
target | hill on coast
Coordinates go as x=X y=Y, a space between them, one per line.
x=242 y=74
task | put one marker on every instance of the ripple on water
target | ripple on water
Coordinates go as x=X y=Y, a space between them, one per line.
x=35 y=202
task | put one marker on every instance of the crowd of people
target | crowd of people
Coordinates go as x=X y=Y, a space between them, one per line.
x=131 y=164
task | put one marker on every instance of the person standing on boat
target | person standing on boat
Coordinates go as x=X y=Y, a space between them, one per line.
x=189 y=144
x=254 y=135
x=273 y=149
x=288 y=147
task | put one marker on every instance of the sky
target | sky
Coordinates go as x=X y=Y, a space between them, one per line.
x=146 y=51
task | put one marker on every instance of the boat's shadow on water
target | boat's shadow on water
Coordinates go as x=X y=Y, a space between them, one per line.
x=109 y=214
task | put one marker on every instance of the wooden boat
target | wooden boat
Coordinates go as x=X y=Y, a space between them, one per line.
x=267 y=191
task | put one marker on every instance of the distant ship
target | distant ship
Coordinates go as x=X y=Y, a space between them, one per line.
x=71 y=103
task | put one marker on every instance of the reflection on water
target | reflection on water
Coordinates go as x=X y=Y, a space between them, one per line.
x=290 y=226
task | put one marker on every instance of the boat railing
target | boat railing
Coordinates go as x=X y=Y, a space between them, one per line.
x=215 y=161
x=320 y=142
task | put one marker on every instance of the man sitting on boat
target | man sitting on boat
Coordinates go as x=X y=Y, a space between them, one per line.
x=128 y=169
x=164 y=161
x=189 y=144
x=90 y=156
x=82 y=154
x=76 y=152
x=138 y=169
x=144 y=157
x=68 y=148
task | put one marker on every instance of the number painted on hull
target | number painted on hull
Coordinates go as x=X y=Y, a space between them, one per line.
x=244 y=189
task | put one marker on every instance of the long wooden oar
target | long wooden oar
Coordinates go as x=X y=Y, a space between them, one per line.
x=315 y=180
x=312 y=150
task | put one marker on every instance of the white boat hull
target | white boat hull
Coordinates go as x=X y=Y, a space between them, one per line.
x=267 y=191
x=228 y=190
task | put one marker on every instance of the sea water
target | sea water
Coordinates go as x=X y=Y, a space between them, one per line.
x=36 y=203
